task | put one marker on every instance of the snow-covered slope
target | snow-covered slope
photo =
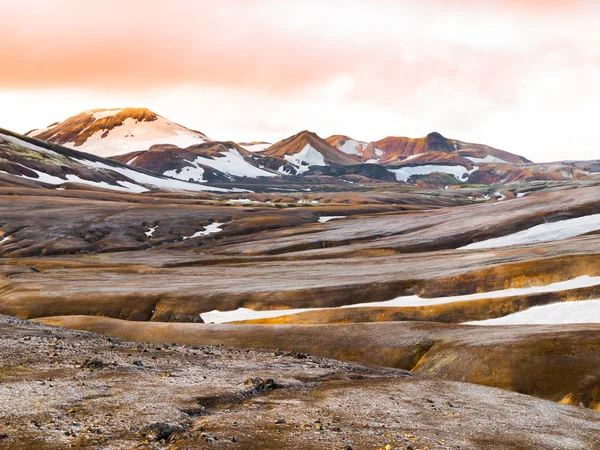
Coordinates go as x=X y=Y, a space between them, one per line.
x=116 y=131
x=304 y=150
x=404 y=173
x=347 y=145
x=211 y=161
x=26 y=158
x=546 y=232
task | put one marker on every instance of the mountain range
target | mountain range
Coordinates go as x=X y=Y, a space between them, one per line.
x=146 y=142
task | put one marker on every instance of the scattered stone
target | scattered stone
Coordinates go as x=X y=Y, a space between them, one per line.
x=94 y=363
x=158 y=431
x=138 y=363
x=280 y=421
x=261 y=385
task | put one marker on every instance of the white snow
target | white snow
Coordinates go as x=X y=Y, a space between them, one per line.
x=324 y=219
x=103 y=114
x=4 y=239
x=522 y=194
x=408 y=301
x=192 y=172
x=583 y=311
x=43 y=177
x=132 y=136
x=26 y=144
x=352 y=147
x=208 y=229
x=151 y=231
x=499 y=196
x=379 y=152
x=484 y=198
x=546 y=232
x=371 y=161
x=404 y=173
x=216 y=316
x=305 y=158
x=487 y=159
x=163 y=183
x=132 y=160
x=282 y=171
x=233 y=163
x=255 y=147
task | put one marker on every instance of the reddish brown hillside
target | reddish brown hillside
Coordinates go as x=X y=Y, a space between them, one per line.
x=296 y=143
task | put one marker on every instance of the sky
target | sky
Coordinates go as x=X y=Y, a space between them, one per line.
x=520 y=75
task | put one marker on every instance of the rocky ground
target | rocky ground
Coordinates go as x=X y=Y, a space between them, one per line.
x=62 y=388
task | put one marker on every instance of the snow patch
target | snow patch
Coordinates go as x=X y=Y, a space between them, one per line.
x=404 y=173
x=163 y=183
x=193 y=172
x=352 y=147
x=487 y=159
x=583 y=311
x=132 y=160
x=324 y=219
x=151 y=231
x=233 y=163
x=546 y=232
x=255 y=147
x=208 y=229
x=216 y=316
x=43 y=177
x=307 y=157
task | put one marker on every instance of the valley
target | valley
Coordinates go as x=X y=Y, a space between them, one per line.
x=402 y=292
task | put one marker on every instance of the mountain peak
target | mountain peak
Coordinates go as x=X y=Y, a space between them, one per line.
x=435 y=137
x=107 y=132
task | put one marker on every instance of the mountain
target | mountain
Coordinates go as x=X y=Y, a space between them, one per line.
x=305 y=150
x=393 y=150
x=140 y=138
x=211 y=161
x=107 y=132
x=32 y=162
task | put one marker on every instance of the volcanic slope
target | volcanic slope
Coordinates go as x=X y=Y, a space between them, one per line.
x=107 y=132
x=305 y=150
x=211 y=161
x=33 y=162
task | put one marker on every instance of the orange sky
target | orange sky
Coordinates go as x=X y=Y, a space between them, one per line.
x=519 y=75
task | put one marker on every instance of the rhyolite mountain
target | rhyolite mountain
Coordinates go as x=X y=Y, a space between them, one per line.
x=107 y=132
x=142 y=139
x=210 y=161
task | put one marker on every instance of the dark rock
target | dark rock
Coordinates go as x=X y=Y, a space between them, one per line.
x=94 y=363
x=260 y=385
x=158 y=431
x=138 y=363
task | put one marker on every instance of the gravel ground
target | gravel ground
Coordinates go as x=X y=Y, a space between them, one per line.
x=61 y=388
